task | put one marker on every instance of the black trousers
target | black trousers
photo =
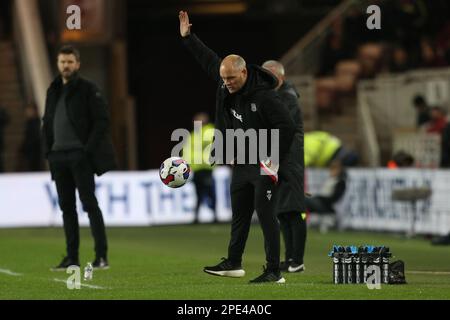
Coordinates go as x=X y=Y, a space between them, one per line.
x=252 y=191
x=72 y=170
x=204 y=187
x=293 y=229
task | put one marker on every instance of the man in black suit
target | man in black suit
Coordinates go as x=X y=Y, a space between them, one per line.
x=290 y=207
x=78 y=146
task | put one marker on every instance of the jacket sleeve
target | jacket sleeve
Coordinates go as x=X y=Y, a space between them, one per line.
x=99 y=116
x=45 y=130
x=207 y=58
x=278 y=117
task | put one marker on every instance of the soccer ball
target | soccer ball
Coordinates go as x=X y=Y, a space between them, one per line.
x=174 y=172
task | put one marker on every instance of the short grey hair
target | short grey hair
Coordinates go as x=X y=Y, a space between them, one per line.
x=276 y=66
x=240 y=63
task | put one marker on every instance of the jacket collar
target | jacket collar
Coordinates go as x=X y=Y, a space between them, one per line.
x=58 y=83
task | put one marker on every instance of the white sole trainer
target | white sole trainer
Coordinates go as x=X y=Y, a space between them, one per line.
x=229 y=273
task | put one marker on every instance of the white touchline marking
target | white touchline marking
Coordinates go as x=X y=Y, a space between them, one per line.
x=10 y=273
x=82 y=284
x=430 y=272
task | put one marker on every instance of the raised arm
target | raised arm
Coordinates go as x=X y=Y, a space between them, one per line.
x=207 y=58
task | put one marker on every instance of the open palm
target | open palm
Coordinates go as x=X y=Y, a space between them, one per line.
x=185 y=26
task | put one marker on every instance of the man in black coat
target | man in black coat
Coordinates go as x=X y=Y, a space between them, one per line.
x=291 y=200
x=246 y=100
x=78 y=145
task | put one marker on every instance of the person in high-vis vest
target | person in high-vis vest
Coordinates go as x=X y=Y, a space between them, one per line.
x=196 y=152
x=321 y=148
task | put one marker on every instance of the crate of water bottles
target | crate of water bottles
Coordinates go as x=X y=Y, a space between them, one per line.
x=354 y=265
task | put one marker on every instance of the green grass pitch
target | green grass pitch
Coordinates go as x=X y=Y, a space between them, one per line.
x=166 y=263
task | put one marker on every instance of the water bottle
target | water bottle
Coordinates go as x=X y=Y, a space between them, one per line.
x=336 y=255
x=385 y=255
x=349 y=264
x=357 y=268
x=343 y=259
x=336 y=268
x=88 y=272
x=364 y=262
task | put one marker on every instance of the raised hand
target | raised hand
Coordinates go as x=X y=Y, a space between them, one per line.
x=185 y=26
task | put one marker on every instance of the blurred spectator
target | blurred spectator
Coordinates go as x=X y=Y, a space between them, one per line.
x=196 y=152
x=352 y=31
x=429 y=56
x=410 y=19
x=326 y=94
x=4 y=120
x=437 y=122
x=370 y=57
x=401 y=159
x=333 y=51
x=399 y=60
x=331 y=192
x=403 y=22
x=422 y=109
x=443 y=43
x=346 y=75
x=31 y=149
x=321 y=148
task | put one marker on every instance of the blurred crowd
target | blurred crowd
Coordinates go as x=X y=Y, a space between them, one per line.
x=414 y=34
x=434 y=120
x=29 y=153
x=430 y=120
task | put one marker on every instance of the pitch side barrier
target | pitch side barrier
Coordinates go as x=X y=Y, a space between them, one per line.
x=371 y=200
x=411 y=201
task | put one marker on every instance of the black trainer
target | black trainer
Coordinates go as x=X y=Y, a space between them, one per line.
x=296 y=267
x=100 y=264
x=226 y=269
x=269 y=276
x=65 y=263
x=284 y=265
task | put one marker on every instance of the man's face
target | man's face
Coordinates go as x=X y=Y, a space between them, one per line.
x=68 y=65
x=233 y=78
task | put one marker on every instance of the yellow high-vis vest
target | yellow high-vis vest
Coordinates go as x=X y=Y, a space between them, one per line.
x=320 y=148
x=197 y=148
